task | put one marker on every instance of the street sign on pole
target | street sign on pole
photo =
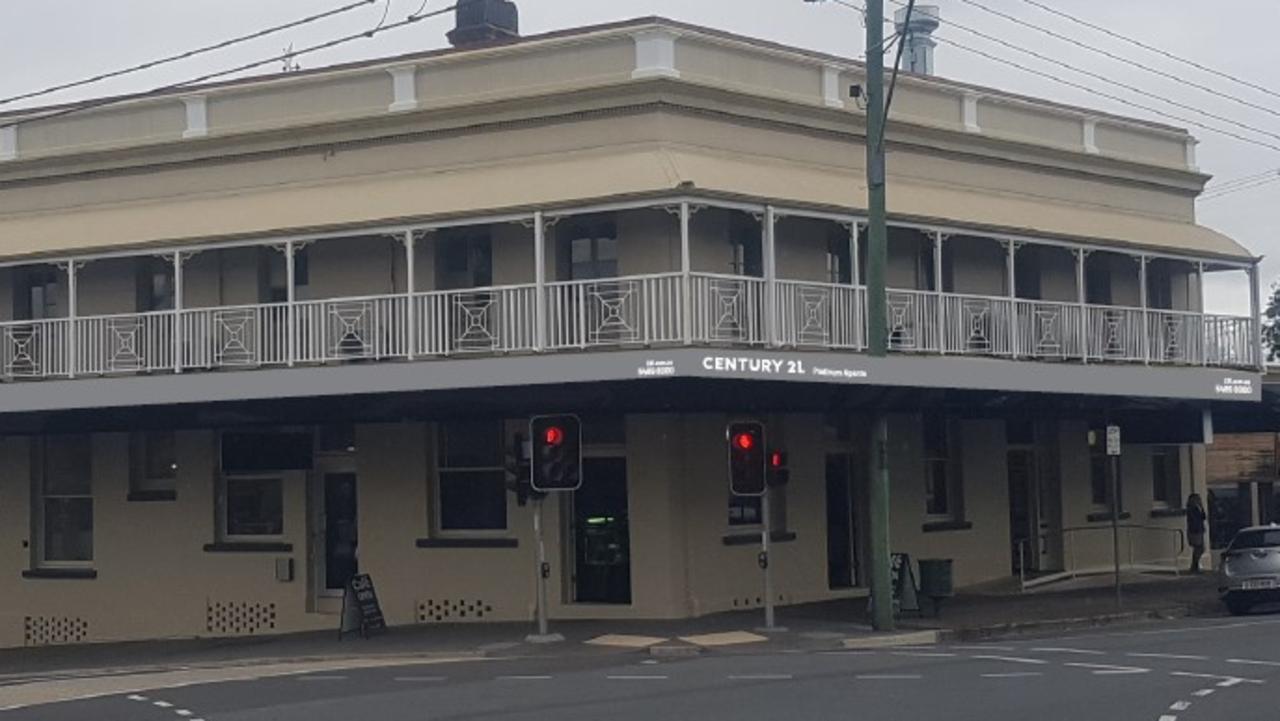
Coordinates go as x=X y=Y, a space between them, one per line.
x=1113 y=471
x=1113 y=440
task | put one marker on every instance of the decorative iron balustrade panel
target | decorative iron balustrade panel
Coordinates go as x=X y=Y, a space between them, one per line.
x=1049 y=330
x=728 y=309
x=124 y=343
x=1230 y=341
x=480 y=320
x=36 y=349
x=1115 y=334
x=819 y=314
x=913 y=320
x=977 y=325
x=1175 y=337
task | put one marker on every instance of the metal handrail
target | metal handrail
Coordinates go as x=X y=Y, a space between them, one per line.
x=1070 y=570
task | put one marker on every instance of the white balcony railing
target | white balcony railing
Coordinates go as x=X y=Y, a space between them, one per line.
x=639 y=311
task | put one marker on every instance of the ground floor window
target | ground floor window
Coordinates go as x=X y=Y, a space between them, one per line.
x=253 y=507
x=942 y=464
x=64 y=511
x=1166 y=476
x=471 y=492
x=153 y=464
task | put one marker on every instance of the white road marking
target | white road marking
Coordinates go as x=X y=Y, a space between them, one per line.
x=1012 y=659
x=1225 y=680
x=1203 y=692
x=136 y=697
x=1057 y=649
x=761 y=677
x=182 y=712
x=636 y=677
x=1109 y=669
x=847 y=653
x=523 y=678
x=1174 y=656
x=1168 y=717
x=162 y=704
x=887 y=676
x=1253 y=662
x=322 y=678
x=983 y=648
x=1013 y=674
x=1179 y=705
x=925 y=654
x=412 y=679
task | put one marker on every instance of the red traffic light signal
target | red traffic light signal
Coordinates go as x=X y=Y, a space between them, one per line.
x=553 y=435
x=779 y=473
x=556 y=455
x=777 y=459
x=746 y=458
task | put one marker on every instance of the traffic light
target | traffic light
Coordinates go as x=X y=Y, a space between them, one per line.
x=557 y=453
x=746 y=458
x=778 y=473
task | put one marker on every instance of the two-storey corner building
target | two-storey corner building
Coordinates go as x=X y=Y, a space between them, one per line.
x=262 y=334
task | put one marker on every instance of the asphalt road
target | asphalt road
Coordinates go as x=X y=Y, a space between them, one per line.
x=1222 y=669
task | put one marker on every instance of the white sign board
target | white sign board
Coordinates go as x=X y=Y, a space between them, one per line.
x=1113 y=440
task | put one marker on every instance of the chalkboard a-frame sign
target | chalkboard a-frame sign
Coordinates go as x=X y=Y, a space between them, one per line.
x=360 y=609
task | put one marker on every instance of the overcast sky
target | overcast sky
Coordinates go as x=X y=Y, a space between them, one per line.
x=46 y=42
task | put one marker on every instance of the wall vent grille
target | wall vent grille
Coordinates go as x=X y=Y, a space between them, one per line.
x=239 y=618
x=53 y=630
x=452 y=610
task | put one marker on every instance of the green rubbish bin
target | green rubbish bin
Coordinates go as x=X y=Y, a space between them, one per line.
x=935 y=580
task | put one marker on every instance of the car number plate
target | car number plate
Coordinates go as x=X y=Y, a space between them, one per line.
x=1259 y=584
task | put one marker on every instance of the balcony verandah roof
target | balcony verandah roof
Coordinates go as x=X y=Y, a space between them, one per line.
x=568 y=179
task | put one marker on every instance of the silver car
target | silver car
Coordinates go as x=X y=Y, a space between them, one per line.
x=1251 y=569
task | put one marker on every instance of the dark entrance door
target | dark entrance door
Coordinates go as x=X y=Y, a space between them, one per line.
x=601 y=534
x=842 y=563
x=340 y=530
x=1024 y=521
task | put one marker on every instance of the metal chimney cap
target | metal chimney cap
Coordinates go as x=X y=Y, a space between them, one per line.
x=924 y=19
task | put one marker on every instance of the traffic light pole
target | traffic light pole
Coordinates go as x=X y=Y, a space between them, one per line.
x=543 y=571
x=766 y=563
x=877 y=315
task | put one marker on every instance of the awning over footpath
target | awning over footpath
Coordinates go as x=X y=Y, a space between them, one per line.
x=576 y=178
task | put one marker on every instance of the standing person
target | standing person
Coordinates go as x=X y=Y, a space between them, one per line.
x=1195 y=529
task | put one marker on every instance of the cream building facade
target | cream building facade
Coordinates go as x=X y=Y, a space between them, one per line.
x=263 y=334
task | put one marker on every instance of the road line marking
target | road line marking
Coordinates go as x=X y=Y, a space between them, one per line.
x=1058 y=649
x=322 y=678
x=136 y=697
x=636 y=677
x=523 y=678
x=983 y=648
x=1012 y=659
x=1253 y=662
x=1174 y=656
x=760 y=677
x=1179 y=705
x=410 y=679
x=1168 y=717
x=1109 y=669
x=1013 y=674
x=887 y=676
x=1227 y=680
x=162 y=704
x=1203 y=692
x=847 y=653
x=182 y=712
x=925 y=654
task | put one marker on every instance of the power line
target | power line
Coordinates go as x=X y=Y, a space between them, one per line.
x=190 y=53
x=1215 y=194
x=1119 y=58
x=1085 y=88
x=1216 y=185
x=1151 y=48
x=102 y=102
x=1103 y=78
x=1116 y=98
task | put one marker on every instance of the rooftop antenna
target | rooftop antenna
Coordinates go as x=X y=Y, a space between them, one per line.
x=290 y=65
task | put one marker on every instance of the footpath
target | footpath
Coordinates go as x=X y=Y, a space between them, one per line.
x=42 y=675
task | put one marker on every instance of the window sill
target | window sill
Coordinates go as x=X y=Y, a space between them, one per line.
x=939 y=526
x=248 y=547
x=151 y=496
x=61 y=573
x=747 y=539
x=1098 y=516
x=1168 y=512
x=467 y=542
